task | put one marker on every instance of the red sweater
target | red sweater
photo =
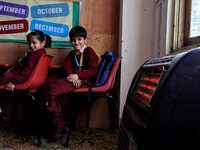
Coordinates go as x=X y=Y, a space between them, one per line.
x=22 y=69
x=90 y=63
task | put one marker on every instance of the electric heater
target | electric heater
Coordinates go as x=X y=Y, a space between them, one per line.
x=162 y=109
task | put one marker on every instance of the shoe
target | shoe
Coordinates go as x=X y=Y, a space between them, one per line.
x=57 y=133
x=64 y=130
x=2 y=117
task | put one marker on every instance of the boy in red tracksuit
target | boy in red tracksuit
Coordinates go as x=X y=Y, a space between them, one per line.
x=79 y=69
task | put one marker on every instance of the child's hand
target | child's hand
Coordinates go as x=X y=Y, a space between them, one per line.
x=10 y=86
x=77 y=83
x=72 y=77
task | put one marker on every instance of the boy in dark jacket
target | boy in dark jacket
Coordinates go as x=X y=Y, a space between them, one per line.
x=78 y=70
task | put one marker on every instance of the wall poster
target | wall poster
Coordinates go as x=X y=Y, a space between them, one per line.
x=55 y=18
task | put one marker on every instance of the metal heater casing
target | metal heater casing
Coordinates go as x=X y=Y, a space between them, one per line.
x=162 y=109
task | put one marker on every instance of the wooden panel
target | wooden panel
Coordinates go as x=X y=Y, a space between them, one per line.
x=101 y=20
x=99 y=114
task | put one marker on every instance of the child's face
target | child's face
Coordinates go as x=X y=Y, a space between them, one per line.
x=35 y=44
x=78 y=42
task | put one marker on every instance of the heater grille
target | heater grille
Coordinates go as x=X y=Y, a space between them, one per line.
x=146 y=84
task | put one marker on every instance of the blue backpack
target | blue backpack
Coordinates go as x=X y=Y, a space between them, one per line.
x=104 y=68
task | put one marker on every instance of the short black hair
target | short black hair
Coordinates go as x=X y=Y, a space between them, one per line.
x=78 y=31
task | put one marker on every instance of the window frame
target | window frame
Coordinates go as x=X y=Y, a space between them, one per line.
x=181 y=40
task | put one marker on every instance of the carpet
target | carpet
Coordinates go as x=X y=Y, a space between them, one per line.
x=14 y=138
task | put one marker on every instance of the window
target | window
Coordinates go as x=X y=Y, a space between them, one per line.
x=186 y=24
x=193 y=18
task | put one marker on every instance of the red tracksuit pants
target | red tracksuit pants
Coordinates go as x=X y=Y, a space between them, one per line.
x=53 y=98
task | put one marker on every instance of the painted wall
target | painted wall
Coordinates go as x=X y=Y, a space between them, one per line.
x=137 y=43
